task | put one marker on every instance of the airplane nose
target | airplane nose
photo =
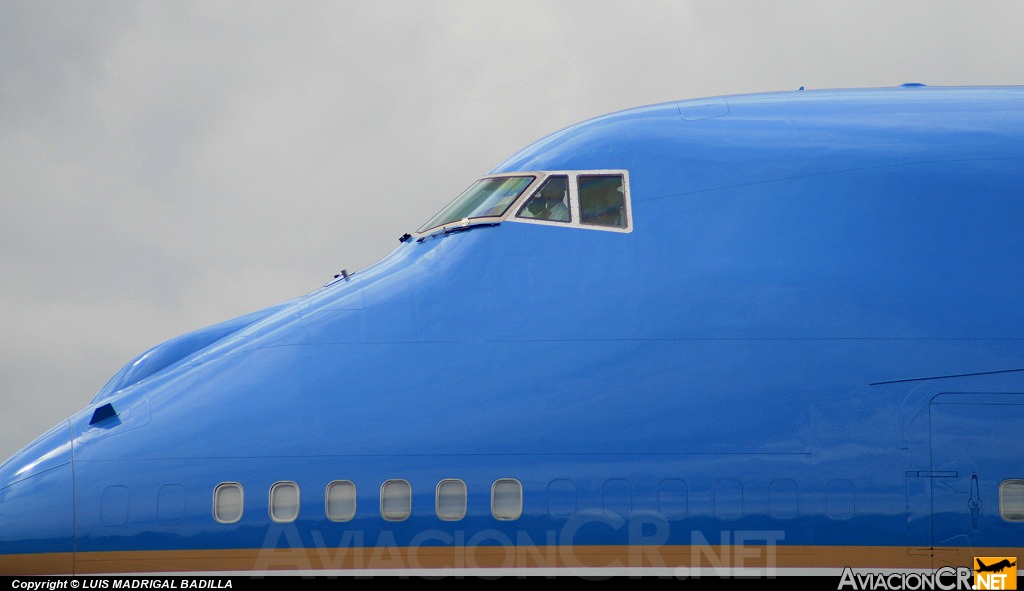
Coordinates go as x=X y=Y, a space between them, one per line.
x=37 y=507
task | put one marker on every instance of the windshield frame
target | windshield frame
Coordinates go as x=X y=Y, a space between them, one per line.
x=488 y=219
x=539 y=178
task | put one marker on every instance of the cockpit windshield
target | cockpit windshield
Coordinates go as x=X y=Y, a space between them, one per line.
x=489 y=197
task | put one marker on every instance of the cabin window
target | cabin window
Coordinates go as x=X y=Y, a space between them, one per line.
x=489 y=197
x=284 y=502
x=561 y=498
x=840 y=499
x=550 y=202
x=784 y=499
x=506 y=499
x=602 y=200
x=170 y=504
x=341 y=500
x=728 y=498
x=451 y=499
x=395 y=500
x=114 y=505
x=618 y=497
x=228 y=502
x=1011 y=499
x=673 y=498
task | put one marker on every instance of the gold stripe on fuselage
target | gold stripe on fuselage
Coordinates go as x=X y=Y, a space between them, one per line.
x=495 y=557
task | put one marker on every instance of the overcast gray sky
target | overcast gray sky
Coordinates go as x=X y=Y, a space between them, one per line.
x=168 y=165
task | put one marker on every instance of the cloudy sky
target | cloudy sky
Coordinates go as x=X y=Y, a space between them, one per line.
x=167 y=165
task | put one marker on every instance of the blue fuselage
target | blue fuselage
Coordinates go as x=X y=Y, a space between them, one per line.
x=812 y=338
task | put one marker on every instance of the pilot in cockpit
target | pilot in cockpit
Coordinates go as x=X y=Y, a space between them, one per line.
x=549 y=202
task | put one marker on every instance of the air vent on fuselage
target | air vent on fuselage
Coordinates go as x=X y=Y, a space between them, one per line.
x=103 y=413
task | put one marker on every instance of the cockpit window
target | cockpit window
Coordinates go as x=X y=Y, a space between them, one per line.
x=580 y=199
x=550 y=202
x=601 y=200
x=490 y=197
